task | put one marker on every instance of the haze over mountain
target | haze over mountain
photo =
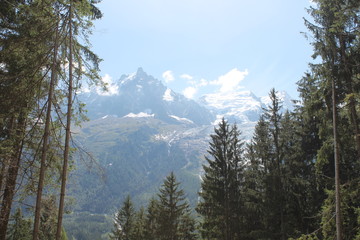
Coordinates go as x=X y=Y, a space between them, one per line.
x=140 y=130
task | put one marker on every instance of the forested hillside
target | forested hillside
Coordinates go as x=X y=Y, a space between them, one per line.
x=296 y=177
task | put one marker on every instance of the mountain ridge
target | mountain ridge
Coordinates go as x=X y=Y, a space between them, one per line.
x=141 y=94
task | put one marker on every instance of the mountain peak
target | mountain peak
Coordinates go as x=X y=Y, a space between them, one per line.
x=138 y=77
x=140 y=71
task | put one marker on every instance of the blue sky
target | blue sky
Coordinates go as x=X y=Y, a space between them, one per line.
x=201 y=46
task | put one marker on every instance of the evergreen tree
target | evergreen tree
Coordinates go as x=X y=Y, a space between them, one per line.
x=124 y=222
x=336 y=41
x=301 y=193
x=33 y=52
x=220 y=205
x=151 y=220
x=140 y=225
x=253 y=187
x=280 y=191
x=274 y=189
x=187 y=226
x=23 y=51
x=174 y=221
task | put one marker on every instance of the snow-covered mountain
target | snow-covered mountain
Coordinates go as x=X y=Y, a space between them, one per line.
x=141 y=95
x=240 y=107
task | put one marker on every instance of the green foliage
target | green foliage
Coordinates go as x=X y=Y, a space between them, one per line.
x=167 y=218
x=48 y=219
x=124 y=222
x=20 y=228
x=281 y=198
x=335 y=33
x=30 y=57
x=86 y=226
x=173 y=221
x=306 y=237
x=220 y=204
x=151 y=220
x=349 y=208
x=140 y=224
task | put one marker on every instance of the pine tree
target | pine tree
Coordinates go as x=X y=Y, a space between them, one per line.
x=220 y=204
x=173 y=220
x=268 y=156
x=140 y=225
x=124 y=222
x=280 y=190
x=253 y=186
x=33 y=51
x=23 y=53
x=187 y=226
x=336 y=42
x=302 y=196
x=151 y=220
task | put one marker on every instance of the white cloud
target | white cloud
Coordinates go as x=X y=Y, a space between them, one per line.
x=168 y=76
x=189 y=92
x=203 y=83
x=230 y=81
x=111 y=87
x=186 y=76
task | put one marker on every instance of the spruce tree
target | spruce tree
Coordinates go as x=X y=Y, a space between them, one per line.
x=335 y=31
x=220 y=205
x=151 y=220
x=280 y=190
x=124 y=222
x=140 y=224
x=174 y=221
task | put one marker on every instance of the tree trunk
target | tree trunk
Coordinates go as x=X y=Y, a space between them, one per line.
x=337 y=165
x=45 y=139
x=68 y=129
x=10 y=185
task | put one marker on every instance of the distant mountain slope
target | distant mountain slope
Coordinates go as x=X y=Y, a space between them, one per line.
x=135 y=154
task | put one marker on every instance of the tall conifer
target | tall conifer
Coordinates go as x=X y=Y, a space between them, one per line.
x=335 y=31
x=174 y=221
x=221 y=205
x=124 y=222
